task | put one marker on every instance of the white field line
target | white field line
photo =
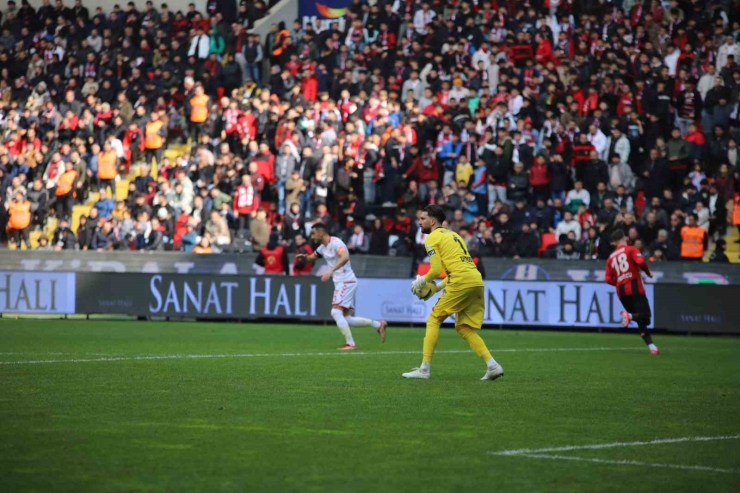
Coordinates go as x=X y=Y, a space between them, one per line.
x=628 y=463
x=292 y=355
x=546 y=453
x=568 y=448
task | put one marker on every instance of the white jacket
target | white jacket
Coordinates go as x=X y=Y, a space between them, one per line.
x=566 y=227
x=706 y=82
x=622 y=148
x=200 y=47
x=725 y=50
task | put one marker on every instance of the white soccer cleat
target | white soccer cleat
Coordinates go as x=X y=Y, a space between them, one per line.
x=626 y=318
x=417 y=373
x=494 y=373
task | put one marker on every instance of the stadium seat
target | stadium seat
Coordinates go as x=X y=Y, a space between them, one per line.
x=547 y=240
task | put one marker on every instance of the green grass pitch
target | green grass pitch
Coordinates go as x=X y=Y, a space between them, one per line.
x=122 y=406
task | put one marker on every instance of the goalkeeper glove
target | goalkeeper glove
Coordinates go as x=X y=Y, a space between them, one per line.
x=418 y=283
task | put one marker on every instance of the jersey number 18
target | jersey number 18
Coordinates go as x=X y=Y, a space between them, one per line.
x=620 y=264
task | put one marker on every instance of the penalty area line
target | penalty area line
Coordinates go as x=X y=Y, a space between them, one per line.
x=629 y=463
x=158 y=357
x=548 y=453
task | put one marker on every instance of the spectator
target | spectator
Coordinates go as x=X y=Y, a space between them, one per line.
x=718 y=255
x=44 y=244
x=39 y=198
x=155 y=135
x=513 y=110
x=359 y=241
x=527 y=243
x=105 y=205
x=204 y=247
x=300 y=266
x=692 y=240
x=577 y=197
x=217 y=228
x=568 y=225
x=19 y=223
x=64 y=238
x=259 y=230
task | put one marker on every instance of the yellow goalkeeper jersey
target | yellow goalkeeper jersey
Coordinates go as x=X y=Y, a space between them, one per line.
x=447 y=251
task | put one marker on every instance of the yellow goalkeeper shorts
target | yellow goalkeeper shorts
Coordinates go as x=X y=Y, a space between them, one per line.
x=468 y=305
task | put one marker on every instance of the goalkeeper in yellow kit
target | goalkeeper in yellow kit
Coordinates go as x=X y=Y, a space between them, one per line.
x=463 y=293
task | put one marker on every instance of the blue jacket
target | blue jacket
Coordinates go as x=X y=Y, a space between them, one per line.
x=480 y=181
x=105 y=207
x=188 y=241
x=470 y=210
x=450 y=162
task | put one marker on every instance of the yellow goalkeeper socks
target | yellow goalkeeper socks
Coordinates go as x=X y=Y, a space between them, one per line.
x=430 y=339
x=475 y=342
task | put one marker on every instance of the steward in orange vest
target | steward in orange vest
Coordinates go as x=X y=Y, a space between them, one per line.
x=65 y=192
x=20 y=213
x=154 y=133
x=279 y=45
x=199 y=105
x=66 y=182
x=692 y=240
x=107 y=160
x=736 y=211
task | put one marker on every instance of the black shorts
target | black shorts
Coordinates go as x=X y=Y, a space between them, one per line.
x=637 y=304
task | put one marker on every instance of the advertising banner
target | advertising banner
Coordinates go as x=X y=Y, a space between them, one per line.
x=173 y=295
x=711 y=309
x=323 y=11
x=37 y=292
x=551 y=304
x=365 y=266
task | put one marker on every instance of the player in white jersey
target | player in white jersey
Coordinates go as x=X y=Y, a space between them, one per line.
x=335 y=252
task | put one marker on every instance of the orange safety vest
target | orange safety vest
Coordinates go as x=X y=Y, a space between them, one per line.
x=199 y=108
x=20 y=215
x=107 y=165
x=200 y=249
x=736 y=213
x=692 y=244
x=280 y=42
x=66 y=183
x=153 y=140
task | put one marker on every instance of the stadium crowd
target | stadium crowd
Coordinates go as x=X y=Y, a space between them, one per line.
x=541 y=126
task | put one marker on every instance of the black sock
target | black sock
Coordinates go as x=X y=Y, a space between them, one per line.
x=645 y=335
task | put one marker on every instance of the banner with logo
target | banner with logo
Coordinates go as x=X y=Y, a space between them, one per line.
x=550 y=304
x=324 y=11
x=183 y=295
x=365 y=266
x=705 y=309
x=37 y=292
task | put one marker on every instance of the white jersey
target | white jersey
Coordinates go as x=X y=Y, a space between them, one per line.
x=329 y=252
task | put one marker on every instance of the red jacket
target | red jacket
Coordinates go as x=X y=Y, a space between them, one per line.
x=544 y=52
x=246 y=200
x=266 y=166
x=310 y=88
x=424 y=173
x=539 y=175
x=246 y=126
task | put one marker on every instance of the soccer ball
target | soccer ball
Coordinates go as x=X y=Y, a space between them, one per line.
x=425 y=291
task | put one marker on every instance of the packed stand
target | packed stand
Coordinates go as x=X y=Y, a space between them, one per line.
x=540 y=126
